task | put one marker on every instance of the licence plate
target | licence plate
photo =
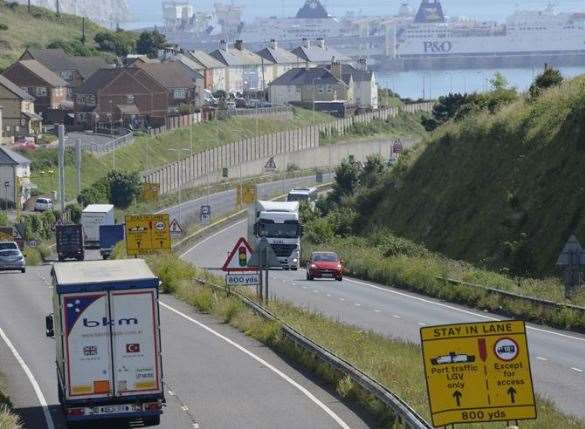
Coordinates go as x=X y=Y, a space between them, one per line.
x=113 y=409
x=327 y=274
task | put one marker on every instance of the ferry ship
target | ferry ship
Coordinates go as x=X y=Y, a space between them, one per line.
x=542 y=32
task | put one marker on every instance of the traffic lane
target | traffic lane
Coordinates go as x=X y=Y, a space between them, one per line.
x=224 y=202
x=228 y=388
x=25 y=300
x=399 y=314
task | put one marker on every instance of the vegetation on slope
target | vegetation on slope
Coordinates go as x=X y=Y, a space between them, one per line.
x=503 y=189
x=20 y=30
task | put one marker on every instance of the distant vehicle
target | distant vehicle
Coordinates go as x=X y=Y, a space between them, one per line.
x=110 y=235
x=8 y=245
x=279 y=223
x=12 y=260
x=108 y=348
x=231 y=105
x=43 y=204
x=69 y=240
x=324 y=265
x=452 y=358
x=241 y=103
x=307 y=195
x=92 y=217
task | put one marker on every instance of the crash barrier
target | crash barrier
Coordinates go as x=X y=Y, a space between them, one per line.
x=283 y=113
x=102 y=149
x=405 y=415
x=180 y=174
x=537 y=306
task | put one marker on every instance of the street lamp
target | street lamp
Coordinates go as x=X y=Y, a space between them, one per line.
x=179 y=168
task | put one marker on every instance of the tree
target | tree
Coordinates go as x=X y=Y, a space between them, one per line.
x=499 y=82
x=547 y=79
x=73 y=47
x=124 y=188
x=372 y=171
x=150 y=42
x=120 y=43
x=346 y=180
x=445 y=109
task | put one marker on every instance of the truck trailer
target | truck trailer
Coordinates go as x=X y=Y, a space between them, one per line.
x=92 y=217
x=69 y=239
x=280 y=224
x=105 y=323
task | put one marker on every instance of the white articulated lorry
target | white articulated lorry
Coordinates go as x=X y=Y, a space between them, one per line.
x=105 y=323
x=280 y=224
x=92 y=217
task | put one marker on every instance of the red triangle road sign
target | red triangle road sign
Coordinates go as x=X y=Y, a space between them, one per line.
x=238 y=258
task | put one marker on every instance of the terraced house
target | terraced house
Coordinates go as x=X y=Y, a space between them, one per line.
x=18 y=111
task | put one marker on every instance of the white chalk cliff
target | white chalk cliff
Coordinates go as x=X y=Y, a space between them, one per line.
x=104 y=12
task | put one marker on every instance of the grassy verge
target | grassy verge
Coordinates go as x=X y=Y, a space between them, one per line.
x=395 y=364
x=148 y=152
x=7 y=419
x=404 y=125
x=396 y=262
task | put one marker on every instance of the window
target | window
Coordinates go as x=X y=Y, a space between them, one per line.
x=67 y=75
x=130 y=99
x=41 y=91
x=180 y=94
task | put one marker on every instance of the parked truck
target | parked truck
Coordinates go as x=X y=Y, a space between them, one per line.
x=280 y=224
x=110 y=235
x=105 y=323
x=92 y=217
x=69 y=240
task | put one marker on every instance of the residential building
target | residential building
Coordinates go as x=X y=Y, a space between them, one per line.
x=281 y=59
x=128 y=97
x=15 y=186
x=18 y=111
x=245 y=70
x=73 y=70
x=365 y=88
x=48 y=89
x=214 y=70
x=318 y=54
x=184 y=86
x=308 y=85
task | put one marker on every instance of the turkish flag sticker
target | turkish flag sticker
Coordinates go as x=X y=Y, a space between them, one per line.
x=133 y=348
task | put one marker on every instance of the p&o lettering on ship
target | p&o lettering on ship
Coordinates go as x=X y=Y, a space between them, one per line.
x=438 y=47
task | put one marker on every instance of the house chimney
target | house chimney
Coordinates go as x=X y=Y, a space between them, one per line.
x=239 y=45
x=321 y=42
x=307 y=43
x=336 y=69
x=363 y=64
x=273 y=44
x=222 y=45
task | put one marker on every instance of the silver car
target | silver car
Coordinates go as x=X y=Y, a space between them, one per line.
x=12 y=259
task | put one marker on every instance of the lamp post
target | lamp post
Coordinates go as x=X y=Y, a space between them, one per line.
x=179 y=181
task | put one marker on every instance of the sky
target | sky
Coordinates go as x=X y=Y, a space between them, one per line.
x=151 y=10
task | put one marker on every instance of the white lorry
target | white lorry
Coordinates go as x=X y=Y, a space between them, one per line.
x=92 y=217
x=105 y=323
x=280 y=224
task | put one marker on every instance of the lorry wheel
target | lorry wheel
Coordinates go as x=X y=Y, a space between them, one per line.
x=23 y=270
x=104 y=257
x=152 y=421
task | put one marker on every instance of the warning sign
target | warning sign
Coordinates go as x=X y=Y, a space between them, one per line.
x=478 y=372
x=176 y=227
x=147 y=233
x=238 y=259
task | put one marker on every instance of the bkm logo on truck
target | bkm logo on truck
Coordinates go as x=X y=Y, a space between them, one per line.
x=106 y=322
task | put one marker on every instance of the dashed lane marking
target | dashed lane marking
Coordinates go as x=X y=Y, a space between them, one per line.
x=577 y=370
x=541 y=358
x=258 y=359
x=396 y=316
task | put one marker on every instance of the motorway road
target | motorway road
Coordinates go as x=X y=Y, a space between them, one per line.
x=225 y=202
x=215 y=376
x=558 y=357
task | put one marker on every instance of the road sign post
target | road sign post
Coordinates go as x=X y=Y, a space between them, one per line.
x=263 y=259
x=572 y=261
x=478 y=372
x=205 y=214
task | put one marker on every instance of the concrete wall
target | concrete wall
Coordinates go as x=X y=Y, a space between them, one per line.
x=297 y=146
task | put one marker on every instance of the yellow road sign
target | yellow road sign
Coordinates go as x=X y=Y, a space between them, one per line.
x=150 y=192
x=478 y=372
x=147 y=233
x=246 y=194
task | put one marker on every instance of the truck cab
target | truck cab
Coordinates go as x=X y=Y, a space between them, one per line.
x=279 y=223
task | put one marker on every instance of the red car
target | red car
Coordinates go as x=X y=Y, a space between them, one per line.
x=324 y=265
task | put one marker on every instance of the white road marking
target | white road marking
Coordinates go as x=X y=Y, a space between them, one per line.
x=577 y=369
x=342 y=299
x=261 y=361
x=396 y=316
x=357 y=304
x=31 y=378
x=377 y=311
x=211 y=237
x=541 y=358
x=315 y=291
x=422 y=324
x=460 y=310
x=328 y=295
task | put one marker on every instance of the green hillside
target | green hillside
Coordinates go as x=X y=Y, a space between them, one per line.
x=19 y=30
x=503 y=190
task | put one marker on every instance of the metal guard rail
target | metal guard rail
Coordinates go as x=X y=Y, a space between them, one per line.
x=403 y=412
